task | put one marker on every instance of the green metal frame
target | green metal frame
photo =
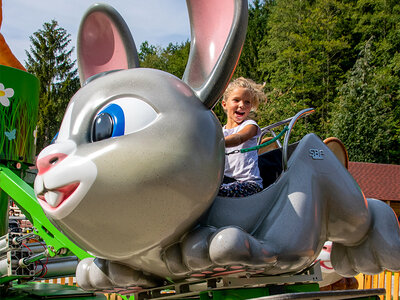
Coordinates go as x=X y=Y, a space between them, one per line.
x=24 y=196
x=3 y=213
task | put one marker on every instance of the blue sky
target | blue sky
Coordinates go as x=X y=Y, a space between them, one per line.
x=157 y=21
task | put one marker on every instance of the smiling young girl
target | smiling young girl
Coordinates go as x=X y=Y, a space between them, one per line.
x=241 y=175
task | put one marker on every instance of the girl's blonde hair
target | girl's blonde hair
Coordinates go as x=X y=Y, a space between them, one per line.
x=255 y=89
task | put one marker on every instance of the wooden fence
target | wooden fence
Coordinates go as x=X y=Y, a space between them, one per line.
x=387 y=280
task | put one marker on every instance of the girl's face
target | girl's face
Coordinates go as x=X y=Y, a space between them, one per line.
x=237 y=105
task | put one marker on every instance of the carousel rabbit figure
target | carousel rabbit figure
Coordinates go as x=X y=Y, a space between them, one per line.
x=133 y=175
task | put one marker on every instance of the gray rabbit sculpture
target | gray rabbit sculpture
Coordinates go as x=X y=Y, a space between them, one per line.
x=133 y=174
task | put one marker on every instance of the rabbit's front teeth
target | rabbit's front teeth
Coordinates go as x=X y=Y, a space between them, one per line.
x=53 y=198
x=39 y=185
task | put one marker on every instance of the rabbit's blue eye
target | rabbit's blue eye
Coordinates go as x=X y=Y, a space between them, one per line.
x=102 y=127
x=122 y=116
x=110 y=122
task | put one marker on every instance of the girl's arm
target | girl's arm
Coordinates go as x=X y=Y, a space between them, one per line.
x=243 y=135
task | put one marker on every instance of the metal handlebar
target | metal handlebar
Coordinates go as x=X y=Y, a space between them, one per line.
x=293 y=121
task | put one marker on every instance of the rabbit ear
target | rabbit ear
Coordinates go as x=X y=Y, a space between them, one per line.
x=218 y=31
x=104 y=43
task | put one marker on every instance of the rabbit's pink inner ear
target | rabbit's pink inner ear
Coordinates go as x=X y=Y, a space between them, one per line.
x=211 y=24
x=101 y=47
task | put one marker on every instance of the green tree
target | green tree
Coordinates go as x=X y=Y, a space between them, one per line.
x=257 y=30
x=171 y=59
x=304 y=56
x=177 y=56
x=49 y=59
x=379 y=19
x=249 y=61
x=150 y=56
x=363 y=118
x=284 y=55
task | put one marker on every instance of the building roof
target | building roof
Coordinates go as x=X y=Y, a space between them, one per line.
x=380 y=181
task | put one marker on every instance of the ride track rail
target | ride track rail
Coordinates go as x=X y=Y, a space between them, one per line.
x=340 y=294
x=282 y=287
x=216 y=283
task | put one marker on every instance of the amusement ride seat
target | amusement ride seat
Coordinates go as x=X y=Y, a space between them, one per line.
x=338 y=148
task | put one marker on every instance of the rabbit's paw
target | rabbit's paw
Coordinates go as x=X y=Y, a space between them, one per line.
x=207 y=251
x=378 y=251
x=231 y=246
x=191 y=254
x=95 y=274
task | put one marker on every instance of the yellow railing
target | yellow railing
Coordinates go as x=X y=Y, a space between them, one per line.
x=62 y=280
x=387 y=280
x=113 y=297
x=71 y=281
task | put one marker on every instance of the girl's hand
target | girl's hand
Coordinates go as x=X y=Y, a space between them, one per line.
x=242 y=136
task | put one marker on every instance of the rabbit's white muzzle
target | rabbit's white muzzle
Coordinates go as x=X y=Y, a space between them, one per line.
x=63 y=179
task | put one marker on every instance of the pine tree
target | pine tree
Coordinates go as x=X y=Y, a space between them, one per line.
x=362 y=118
x=257 y=30
x=378 y=21
x=304 y=56
x=49 y=59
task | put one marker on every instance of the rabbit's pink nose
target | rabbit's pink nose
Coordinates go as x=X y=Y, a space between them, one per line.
x=46 y=163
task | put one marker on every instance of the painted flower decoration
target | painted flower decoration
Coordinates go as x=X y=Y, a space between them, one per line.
x=5 y=94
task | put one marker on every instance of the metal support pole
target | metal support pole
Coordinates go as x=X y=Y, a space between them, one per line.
x=3 y=213
x=24 y=262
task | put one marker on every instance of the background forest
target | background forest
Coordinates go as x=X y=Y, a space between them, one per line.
x=339 y=56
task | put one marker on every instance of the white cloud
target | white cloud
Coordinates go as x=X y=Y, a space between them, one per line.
x=157 y=21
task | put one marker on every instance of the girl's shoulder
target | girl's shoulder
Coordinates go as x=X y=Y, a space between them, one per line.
x=248 y=122
x=239 y=127
x=251 y=122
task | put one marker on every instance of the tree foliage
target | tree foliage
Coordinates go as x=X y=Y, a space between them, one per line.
x=249 y=62
x=304 y=55
x=309 y=57
x=49 y=59
x=248 y=65
x=362 y=118
x=171 y=59
x=379 y=21
x=339 y=56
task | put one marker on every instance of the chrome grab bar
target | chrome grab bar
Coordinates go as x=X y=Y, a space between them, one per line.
x=293 y=121
x=270 y=128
